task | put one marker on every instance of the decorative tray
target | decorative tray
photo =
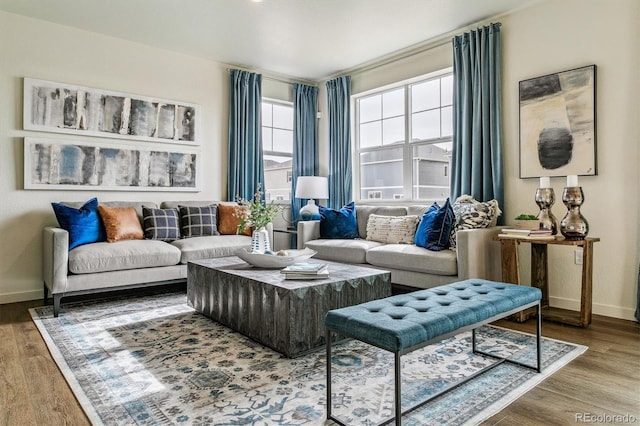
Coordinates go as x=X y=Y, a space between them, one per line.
x=275 y=261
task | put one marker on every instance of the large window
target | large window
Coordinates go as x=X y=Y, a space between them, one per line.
x=404 y=140
x=277 y=147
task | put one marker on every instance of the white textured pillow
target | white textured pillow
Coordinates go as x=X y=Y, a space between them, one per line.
x=392 y=229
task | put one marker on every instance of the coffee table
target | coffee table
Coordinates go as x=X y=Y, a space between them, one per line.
x=285 y=315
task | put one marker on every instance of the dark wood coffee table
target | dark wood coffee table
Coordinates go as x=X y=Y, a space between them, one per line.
x=285 y=315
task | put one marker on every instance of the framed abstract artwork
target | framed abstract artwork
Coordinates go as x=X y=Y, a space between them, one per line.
x=558 y=124
x=71 y=165
x=65 y=108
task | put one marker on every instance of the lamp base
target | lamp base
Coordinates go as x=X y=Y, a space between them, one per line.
x=310 y=211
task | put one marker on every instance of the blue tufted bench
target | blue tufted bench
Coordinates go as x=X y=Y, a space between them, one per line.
x=406 y=322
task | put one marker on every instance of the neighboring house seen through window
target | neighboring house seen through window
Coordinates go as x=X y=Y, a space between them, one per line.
x=277 y=148
x=404 y=138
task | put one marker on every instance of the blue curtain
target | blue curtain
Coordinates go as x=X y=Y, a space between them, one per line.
x=338 y=94
x=246 y=169
x=476 y=167
x=305 y=139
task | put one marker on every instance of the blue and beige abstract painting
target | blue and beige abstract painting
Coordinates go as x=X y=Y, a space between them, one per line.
x=557 y=124
x=63 y=108
x=56 y=164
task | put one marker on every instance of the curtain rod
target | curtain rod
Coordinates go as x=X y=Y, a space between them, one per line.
x=422 y=47
x=280 y=79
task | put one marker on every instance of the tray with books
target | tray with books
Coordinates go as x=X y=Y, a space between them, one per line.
x=305 y=271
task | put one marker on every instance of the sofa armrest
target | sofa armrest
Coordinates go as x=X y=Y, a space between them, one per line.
x=307 y=230
x=269 y=229
x=55 y=258
x=478 y=254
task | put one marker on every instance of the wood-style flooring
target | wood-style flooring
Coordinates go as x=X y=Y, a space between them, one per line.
x=605 y=381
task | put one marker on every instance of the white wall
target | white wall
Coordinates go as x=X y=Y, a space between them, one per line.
x=549 y=37
x=33 y=48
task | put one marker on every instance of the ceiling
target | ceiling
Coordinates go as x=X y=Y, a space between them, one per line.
x=305 y=39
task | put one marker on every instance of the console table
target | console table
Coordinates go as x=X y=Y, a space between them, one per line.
x=540 y=275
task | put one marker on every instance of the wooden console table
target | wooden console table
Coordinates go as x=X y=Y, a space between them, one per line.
x=540 y=275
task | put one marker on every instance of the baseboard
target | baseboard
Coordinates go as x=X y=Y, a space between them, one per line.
x=21 y=296
x=597 y=308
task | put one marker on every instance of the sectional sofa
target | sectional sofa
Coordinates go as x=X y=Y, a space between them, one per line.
x=103 y=266
x=476 y=255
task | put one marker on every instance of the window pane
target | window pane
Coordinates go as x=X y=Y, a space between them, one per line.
x=283 y=117
x=370 y=134
x=393 y=130
x=447 y=90
x=393 y=103
x=425 y=125
x=370 y=108
x=267 y=141
x=381 y=174
x=447 y=121
x=282 y=140
x=277 y=177
x=266 y=114
x=425 y=95
x=431 y=166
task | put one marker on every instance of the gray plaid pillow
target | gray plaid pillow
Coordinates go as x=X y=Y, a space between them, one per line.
x=160 y=224
x=198 y=221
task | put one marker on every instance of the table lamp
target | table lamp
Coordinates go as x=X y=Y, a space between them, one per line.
x=311 y=187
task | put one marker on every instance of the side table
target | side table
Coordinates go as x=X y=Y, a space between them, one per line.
x=293 y=233
x=540 y=275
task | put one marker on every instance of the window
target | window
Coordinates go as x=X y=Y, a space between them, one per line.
x=404 y=139
x=277 y=148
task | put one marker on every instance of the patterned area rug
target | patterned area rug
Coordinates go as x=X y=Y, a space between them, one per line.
x=152 y=360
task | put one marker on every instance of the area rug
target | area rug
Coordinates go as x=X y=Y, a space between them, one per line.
x=152 y=360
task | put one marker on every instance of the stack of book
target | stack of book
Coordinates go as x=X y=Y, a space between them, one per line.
x=305 y=271
x=527 y=234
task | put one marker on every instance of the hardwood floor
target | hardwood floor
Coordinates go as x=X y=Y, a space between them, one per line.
x=605 y=381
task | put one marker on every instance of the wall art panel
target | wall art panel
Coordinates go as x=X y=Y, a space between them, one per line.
x=64 y=108
x=558 y=124
x=59 y=164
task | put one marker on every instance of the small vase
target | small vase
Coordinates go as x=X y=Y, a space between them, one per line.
x=260 y=241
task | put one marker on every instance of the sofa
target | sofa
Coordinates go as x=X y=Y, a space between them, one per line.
x=477 y=255
x=104 y=266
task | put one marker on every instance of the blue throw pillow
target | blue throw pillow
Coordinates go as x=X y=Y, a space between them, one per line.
x=83 y=225
x=338 y=223
x=435 y=227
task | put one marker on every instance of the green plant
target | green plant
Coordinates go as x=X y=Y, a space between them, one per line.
x=257 y=213
x=527 y=217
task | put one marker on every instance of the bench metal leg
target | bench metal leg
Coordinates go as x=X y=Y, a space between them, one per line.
x=329 y=402
x=398 y=389
x=538 y=366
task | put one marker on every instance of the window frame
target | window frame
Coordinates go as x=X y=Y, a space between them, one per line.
x=407 y=145
x=265 y=152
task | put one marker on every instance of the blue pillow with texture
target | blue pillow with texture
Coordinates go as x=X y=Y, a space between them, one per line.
x=435 y=227
x=338 y=223
x=83 y=225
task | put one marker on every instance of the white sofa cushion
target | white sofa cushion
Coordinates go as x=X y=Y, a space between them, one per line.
x=392 y=229
x=129 y=254
x=363 y=213
x=207 y=247
x=413 y=258
x=348 y=251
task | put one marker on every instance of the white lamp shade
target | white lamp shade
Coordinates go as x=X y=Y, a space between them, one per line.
x=312 y=187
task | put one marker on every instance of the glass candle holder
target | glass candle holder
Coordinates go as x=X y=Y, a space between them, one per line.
x=545 y=197
x=573 y=226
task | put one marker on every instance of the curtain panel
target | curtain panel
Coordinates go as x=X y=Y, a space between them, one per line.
x=246 y=169
x=305 y=140
x=476 y=167
x=340 y=168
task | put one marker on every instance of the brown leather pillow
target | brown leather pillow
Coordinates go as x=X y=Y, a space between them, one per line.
x=228 y=220
x=121 y=223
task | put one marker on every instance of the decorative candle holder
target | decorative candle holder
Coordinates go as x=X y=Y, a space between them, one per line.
x=545 y=197
x=573 y=226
